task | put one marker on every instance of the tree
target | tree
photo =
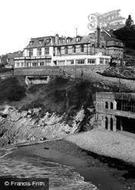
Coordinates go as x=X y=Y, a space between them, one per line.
x=127 y=33
x=4 y=59
x=129 y=22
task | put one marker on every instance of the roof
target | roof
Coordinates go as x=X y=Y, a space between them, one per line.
x=15 y=54
x=63 y=41
x=116 y=95
x=40 y=42
x=75 y=40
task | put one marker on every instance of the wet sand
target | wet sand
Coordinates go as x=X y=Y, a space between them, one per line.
x=89 y=166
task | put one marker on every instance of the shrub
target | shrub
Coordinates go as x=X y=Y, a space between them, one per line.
x=11 y=90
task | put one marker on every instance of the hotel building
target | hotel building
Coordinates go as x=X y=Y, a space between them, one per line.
x=93 y=49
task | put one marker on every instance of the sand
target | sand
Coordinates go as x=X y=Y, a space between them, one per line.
x=107 y=143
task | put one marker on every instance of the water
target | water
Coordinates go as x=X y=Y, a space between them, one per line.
x=61 y=177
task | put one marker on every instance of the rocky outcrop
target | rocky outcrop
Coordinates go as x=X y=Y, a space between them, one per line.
x=26 y=126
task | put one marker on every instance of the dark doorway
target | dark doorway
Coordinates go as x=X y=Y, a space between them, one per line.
x=118 y=123
x=127 y=124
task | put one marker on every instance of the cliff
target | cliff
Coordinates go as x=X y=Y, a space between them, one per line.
x=50 y=111
x=44 y=111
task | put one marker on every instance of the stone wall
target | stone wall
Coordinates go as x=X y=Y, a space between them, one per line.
x=77 y=70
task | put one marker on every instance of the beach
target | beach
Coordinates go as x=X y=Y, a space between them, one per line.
x=90 y=166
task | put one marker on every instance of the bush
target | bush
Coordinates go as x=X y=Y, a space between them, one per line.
x=11 y=90
x=34 y=104
x=3 y=69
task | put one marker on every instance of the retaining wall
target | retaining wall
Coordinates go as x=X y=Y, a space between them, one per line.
x=77 y=70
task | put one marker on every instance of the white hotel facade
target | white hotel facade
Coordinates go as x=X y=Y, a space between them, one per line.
x=93 y=49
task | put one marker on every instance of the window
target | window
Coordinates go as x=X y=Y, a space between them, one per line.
x=59 y=50
x=48 y=40
x=17 y=64
x=39 y=51
x=66 y=50
x=47 y=61
x=62 y=40
x=42 y=63
x=91 y=61
x=106 y=105
x=40 y=42
x=61 y=62
x=80 y=61
x=27 y=64
x=31 y=42
x=74 y=49
x=70 y=62
x=34 y=64
x=78 y=39
x=101 y=60
x=69 y=40
x=30 y=52
x=106 y=61
x=82 y=48
x=46 y=50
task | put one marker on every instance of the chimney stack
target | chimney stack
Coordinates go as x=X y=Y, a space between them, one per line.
x=56 y=39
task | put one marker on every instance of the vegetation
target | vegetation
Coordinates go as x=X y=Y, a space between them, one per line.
x=127 y=33
x=3 y=69
x=11 y=90
x=123 y=72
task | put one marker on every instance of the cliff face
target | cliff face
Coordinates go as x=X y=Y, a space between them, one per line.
x=46 y=111
x=50 y=111
x=25 y=126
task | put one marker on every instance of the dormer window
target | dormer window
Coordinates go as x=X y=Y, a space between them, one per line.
x=47 y=41
x=62 y=40
x=40 y=42
x=69 y=40
x=31 y=42
x=78 y=38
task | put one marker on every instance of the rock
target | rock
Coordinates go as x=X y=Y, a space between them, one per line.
x=24 y=113
x=36 y=110
x=24 y=126
x=80 y=116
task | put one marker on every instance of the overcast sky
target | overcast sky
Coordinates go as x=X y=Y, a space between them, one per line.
x=22 y=19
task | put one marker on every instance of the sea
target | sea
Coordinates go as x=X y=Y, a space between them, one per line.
x=61 y=177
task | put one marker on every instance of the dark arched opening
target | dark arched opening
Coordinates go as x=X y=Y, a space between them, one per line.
x=111 y=105
x=106 y=105
x=111 y=124
x=106 y=123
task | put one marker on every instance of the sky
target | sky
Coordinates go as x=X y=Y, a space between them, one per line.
x=22 y=19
